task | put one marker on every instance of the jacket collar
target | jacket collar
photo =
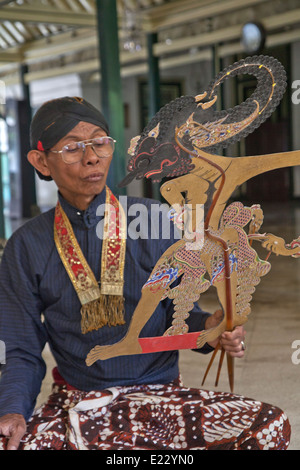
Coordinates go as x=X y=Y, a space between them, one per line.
x=87 y=218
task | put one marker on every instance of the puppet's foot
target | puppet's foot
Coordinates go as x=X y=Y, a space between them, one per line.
x=122 y=348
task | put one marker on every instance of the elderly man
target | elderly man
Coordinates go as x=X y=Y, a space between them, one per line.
x=49 y=292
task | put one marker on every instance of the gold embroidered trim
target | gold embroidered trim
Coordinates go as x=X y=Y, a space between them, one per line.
x=103 y=306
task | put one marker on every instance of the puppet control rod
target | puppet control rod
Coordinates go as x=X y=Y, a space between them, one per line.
x=229 y=314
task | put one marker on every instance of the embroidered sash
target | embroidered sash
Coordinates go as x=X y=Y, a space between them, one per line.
x=100 y=305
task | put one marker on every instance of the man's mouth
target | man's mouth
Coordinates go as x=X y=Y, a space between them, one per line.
x=94 y=177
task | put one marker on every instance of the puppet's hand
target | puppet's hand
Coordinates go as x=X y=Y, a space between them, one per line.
x=273 y=243
x=278 y=246
x=257 y=219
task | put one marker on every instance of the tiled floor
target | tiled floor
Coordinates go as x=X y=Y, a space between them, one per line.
x=267 y=372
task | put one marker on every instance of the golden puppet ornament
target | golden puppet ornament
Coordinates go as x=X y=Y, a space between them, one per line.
x=181 y=143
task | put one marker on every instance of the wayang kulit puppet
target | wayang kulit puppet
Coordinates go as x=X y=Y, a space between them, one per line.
x=180 y=143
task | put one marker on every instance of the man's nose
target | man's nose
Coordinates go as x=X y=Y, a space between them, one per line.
x=90 y=157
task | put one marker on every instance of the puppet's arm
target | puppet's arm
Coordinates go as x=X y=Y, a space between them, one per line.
x=269 y=241
x=244 y=168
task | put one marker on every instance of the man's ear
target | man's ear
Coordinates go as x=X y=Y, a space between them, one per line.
x=38 y=161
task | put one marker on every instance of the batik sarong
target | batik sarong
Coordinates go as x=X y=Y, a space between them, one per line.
x=154 y=417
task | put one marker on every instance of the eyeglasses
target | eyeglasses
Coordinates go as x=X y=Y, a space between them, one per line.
x=74 y=151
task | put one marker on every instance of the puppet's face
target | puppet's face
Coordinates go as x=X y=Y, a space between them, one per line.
x=155 y=161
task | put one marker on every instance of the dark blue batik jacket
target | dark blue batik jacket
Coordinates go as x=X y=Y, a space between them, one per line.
x=38 y=304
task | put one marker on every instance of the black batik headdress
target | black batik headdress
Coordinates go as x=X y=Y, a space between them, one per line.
x=55 y=118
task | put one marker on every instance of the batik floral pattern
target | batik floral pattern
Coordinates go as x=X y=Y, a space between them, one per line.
x=154 y=417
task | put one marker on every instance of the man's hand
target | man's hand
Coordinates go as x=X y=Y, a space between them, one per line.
x=13 y=426
x=231 y=341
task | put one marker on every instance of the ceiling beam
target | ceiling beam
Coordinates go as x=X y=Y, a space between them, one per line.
x=10 y=57
x=274 y=22
x=56 y=39
x=199 y=40
x=48 y=16
x=126 y=70
x=60 y=48
x=282 y=20
x=172 y=14
x=75 y=67
x=272 y=40
x=65 y=43
x=84 y=39
x=138 y=69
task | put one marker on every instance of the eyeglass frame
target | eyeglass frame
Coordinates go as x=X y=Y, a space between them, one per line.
x=90 y=142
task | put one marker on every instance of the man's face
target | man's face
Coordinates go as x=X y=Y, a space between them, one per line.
x=79 y=182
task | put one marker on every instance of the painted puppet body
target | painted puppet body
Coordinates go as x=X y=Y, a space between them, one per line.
x=201 y=186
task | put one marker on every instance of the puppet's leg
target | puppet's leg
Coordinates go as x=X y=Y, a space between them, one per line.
x=163 y=275
x=246 y=269
x=129 y=344
x=184 y=296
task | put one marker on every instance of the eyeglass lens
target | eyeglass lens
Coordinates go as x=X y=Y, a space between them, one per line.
x=102 y=146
